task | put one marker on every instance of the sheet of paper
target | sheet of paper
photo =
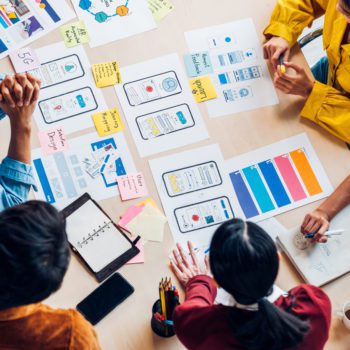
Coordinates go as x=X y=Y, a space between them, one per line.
x=108 y=122
x=132 y=186
x=196 y=193
x=106 y=74
x=64 y=176
x=112 y=20
x=68 y=95
x=160 y=8
x=74 y=34
x=280 y=177
x=273 y=227
x=198 y=64
x=241 y=76
x=203 y=89
x=24 y=59
x=23 y=21
x=53 y=141
x=158 y=106
x=140 y=257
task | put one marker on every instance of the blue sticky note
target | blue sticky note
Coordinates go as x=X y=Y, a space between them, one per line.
x=198 y=64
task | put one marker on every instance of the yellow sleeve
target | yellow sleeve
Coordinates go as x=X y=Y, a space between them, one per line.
x=330 y=109
x=290 y=17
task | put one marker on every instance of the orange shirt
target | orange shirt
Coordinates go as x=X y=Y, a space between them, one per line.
x=39 y=327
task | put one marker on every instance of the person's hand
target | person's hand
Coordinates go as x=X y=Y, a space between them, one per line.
x=18 y=97
x=274 y=48
x=316 y=222
x=299 y=84
x=185 y=267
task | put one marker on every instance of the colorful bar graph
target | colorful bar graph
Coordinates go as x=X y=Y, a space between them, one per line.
x=290 y=178
x=258 y=188
x=305 y=171
x=243 y=195
x=274 y=183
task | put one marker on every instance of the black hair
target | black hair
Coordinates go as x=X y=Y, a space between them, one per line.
x=34 y=253
x=244 y=261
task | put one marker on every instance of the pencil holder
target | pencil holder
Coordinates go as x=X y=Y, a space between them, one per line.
x=158 y=327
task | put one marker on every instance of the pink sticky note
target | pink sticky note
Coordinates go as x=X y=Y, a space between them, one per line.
x=131 y=212
x=53 y=141
x=132 y=186
x=24 y=59
x=140 y=257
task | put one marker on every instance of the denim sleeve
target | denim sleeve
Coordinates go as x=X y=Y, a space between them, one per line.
x=16 y=180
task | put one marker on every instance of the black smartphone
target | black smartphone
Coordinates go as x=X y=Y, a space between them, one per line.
x=105 y=298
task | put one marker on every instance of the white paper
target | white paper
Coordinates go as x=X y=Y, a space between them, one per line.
x=195 y=192
x=322 y=262
x=68 y=95
x=252 y=162
x=62 y=178
x=111 y=20
x=159 y=106
x=235 y=50
x=97 y=240
x=30 y=21
x=272 y=227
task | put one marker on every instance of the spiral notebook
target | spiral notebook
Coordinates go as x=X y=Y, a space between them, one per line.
x=97 y=240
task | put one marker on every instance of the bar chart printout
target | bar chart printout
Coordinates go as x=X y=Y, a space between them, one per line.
x=278 y=178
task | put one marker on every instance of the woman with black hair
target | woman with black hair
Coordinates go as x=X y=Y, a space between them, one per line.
x=244 y=262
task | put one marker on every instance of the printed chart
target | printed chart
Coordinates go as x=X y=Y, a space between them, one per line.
x=68 y=94
x=240 y=74
x=159 y=107
x=91 y=164
x=111 y=20
x=278 y=178
x=23 y=21
x=195 y=192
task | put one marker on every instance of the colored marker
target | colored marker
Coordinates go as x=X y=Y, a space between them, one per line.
x=329 y=233
x=282 y=66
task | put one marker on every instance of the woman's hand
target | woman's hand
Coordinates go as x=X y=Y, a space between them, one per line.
x=185 y=267
x=299 y=84
x=274 y=48
x=316 y=222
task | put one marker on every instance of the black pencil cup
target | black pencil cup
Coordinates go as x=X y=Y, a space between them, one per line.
x=158 y=327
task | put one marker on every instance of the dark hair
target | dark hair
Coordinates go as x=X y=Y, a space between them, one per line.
x=244 y=261
x=34 y=253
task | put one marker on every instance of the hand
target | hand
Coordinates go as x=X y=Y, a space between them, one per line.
x=185 y=268
x=299 y=84
x=274 y=48
x=316 y=222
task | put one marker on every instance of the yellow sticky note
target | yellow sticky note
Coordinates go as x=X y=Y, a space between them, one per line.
x=160 y=8
x=108 y=122
x=106 y=74
x=203 y=89
x=74 y=34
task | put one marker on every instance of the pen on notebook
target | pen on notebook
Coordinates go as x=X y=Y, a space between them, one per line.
x=329 y=233
x=282 y=66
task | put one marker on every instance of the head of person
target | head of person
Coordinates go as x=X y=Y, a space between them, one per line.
x=343 y=6
x=244 y=261
x=34 y=253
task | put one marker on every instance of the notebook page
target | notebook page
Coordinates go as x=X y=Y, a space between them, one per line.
x=97 y=240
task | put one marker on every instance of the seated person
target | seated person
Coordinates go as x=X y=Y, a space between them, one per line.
x=18 y=98
x=327 y=93
x=34 y=257
x=244 y=262
x=318 y=220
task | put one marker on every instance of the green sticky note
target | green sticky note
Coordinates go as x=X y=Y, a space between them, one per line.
x=160 y=8
x=75 y=34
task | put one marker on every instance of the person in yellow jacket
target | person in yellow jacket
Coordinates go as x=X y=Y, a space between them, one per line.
x=327 y=95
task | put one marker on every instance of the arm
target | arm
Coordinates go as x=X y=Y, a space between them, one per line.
x=318 y=220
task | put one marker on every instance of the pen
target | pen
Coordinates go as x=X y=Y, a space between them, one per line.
x=283 y=67
x=329 y=233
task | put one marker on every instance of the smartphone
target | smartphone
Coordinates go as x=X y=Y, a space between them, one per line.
x=105 y=298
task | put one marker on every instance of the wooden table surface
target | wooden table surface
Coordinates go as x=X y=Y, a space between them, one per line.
x=128 y=327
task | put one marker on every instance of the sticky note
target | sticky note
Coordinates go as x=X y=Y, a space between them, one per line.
x=75 y=34
x=108 y=122
x=131 y=212
x=203 y=89
x=132 y=186
x=53 y=141
x=148 y=201
x=140 y=257
x=198 y=64
x=24 y=59
x=160 y=8
x=106 y=74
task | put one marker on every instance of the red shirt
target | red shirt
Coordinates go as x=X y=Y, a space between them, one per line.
x=202 y=325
